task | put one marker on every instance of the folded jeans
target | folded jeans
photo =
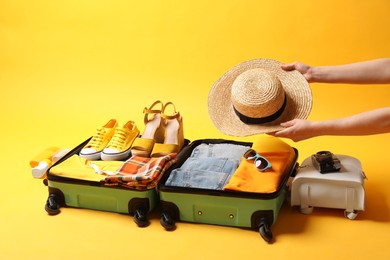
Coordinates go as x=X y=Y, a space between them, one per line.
x=203 y=173
x=222 y=150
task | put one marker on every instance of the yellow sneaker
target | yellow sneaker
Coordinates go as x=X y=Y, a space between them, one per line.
x=119 y=146
x=99 y=141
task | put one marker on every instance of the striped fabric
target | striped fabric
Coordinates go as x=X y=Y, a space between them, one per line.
x=141 y=173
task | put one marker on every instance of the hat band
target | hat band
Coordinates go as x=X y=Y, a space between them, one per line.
x=260 y=120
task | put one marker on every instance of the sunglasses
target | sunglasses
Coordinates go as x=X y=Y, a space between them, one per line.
x=260 y=162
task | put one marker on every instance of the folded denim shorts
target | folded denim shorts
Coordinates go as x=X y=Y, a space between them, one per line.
x=208 y=167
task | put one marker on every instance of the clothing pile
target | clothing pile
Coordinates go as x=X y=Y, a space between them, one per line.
x=139 y=173
x=222 y=167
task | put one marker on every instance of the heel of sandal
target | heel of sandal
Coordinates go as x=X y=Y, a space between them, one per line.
x=153 y=132
x=174 y=134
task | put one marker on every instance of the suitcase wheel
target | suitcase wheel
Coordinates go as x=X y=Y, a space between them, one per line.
x=138 y=208
x=52 y=205
x=262 y=220
x=307 y=210
x=167 y=221
x=169 y=215
x=351 y=215
x=265 y=231
x=140 y=217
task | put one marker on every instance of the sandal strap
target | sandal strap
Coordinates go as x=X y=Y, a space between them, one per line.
x=149 y=110
x=175 y=114
x=143 y=144
x=164 y=149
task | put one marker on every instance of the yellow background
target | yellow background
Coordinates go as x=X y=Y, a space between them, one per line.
x=67 y=67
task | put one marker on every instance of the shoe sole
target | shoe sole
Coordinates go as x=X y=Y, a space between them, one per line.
x=92 y=156
x=116 y=156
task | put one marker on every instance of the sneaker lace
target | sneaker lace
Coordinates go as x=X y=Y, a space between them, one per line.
x=98 y=138
x=118 y=140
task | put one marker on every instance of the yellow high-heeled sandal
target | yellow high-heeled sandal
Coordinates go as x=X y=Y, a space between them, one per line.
x=153 y=132
x=174 y=134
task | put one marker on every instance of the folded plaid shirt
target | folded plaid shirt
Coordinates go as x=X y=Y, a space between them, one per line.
x=141 y=173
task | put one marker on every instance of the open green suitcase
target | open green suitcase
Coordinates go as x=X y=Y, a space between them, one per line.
x=257 y=211
x=71 y=192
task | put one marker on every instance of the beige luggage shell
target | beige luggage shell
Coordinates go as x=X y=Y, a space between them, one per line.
x=340 y=190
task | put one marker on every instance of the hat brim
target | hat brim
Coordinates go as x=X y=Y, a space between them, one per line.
x=220 y=107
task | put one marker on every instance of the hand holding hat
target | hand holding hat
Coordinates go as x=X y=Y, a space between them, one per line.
x=255 y=96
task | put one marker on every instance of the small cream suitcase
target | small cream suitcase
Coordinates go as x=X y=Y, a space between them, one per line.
x=343 y=189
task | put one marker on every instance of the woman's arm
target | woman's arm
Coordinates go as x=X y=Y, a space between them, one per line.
x=366 y=72
x=367 y=123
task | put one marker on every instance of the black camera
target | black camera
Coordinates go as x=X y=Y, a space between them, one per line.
x=326 y=162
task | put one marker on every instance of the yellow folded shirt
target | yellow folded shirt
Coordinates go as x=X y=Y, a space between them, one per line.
x=249 y=179
x=81 y=168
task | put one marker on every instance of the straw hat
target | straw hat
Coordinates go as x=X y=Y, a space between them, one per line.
x=255 y=96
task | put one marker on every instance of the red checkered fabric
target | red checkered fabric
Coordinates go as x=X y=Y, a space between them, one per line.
x=141 y=173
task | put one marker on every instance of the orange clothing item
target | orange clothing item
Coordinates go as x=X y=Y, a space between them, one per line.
x=248 y=179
